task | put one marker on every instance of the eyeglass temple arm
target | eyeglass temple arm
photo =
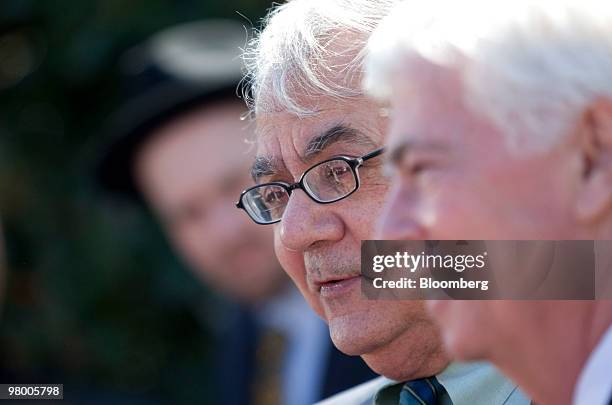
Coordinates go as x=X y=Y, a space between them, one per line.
x=372 y=154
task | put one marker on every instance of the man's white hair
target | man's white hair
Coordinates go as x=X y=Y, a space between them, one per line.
x=530 y=67
x=310 y=49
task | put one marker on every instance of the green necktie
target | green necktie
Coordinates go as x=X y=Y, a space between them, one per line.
x=424 y=391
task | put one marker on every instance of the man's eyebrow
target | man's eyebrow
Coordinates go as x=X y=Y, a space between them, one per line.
x=337 y=133
x=263 y=166
x=396 y=153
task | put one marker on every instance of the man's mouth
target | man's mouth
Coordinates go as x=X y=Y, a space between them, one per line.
x=334 y=287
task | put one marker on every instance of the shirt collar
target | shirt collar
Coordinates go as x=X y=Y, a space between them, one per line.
x=466 y=383
x=594 y=385
x=476 y=383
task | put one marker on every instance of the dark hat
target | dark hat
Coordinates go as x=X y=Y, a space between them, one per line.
x=177 y=70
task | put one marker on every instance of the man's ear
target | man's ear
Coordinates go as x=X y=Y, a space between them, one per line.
x=595 y=198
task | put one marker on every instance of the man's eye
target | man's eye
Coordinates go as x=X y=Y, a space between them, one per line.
x=337 y=173
x=417 y=168
x=415 y=165
x=413 y=169
x=272 y=197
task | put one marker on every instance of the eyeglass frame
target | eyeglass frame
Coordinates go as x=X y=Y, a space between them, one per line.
x=353 y=162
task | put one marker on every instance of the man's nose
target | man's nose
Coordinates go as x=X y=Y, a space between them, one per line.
x=306 y=222
x=398 y=220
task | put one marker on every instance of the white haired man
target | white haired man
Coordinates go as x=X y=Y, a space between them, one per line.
x=315 y=131
x=502 y=129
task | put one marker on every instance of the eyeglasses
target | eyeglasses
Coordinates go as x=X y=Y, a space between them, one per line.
x=325 y=183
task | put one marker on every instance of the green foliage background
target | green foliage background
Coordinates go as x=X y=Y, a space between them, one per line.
x=93 y=297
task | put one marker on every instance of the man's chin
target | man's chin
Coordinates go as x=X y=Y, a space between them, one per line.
x=352 y=334
x=461 y=335
x=462 y=346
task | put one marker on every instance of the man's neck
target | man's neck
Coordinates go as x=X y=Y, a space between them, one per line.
x=549 y=376
x=601 y=321
x=548 y=380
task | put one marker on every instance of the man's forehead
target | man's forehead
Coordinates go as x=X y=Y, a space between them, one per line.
x=427 y=110
x=284 y=127
x=267 y=139
x=403 y=132
x=270 y=129
x=359 y=113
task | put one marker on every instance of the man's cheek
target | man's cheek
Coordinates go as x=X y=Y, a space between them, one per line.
x=292 y=262
x=445 y=218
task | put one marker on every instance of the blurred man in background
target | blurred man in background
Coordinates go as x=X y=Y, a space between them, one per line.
x=315 y=131
x=502 y=129
x=181 y=148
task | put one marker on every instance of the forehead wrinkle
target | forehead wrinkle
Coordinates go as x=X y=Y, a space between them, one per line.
x=336 y=134
x=265 y=162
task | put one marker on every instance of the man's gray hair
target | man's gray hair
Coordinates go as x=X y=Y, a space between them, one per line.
x=308 y=50
x=530 y=66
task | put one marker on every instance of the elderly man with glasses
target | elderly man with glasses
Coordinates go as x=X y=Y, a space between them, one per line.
x=319 y=180
x=164 y=153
